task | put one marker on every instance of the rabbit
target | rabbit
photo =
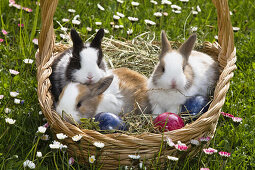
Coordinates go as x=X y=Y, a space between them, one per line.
x=81 y=63
x=180 y=74
x=122 y=90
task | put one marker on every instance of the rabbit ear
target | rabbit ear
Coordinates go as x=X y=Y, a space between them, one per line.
x=187 y=47
x=77 y=41
x=96 y=42
x=101 y=86
x=165 y=45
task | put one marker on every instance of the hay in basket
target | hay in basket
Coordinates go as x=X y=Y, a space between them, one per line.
x=117 y=145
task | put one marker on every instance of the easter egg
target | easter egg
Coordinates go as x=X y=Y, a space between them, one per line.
x=196 y=104
x=109 y=121
x=168 y=121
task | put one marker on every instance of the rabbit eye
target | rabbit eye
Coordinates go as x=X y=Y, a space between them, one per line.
x=78 y=105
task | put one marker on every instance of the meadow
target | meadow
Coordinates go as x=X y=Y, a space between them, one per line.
x=20 y=27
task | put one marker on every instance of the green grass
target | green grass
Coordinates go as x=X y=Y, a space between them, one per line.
x=20 y=139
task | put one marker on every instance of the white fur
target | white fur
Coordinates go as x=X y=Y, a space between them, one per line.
x=165 y=99
x=68 y=102
x=89 y=67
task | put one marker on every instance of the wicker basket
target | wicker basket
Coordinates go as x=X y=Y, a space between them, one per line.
x=118 y=146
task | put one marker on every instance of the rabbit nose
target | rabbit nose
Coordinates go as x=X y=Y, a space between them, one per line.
x=90 y=76
x=173 y=84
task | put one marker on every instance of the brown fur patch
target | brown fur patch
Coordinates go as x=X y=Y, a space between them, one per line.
x=133 y=87
x=188 y=72
x=158 y=72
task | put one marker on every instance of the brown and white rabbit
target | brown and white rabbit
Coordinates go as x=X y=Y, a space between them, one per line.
x=81 y=63
x=122 y=91
x=180 y=74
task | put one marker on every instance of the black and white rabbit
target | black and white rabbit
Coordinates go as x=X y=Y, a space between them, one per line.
x=81 y=63
x=180 y=74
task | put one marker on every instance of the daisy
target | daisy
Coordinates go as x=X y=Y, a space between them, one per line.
x=35 y=41
x=14 y=94
x=154 y=2
x=76 y=138
x=224 y=154
x=230 y=13
x=194 y=12
x=133 y=19
x=166 y=2
x=61 y=136
x=42 y=129
x=116 y=17
x=76 y=22
x=236 y=28
x=28 y=61
x=71 y=10
x=227 y=115
x=17 y=101
x=176 y=11
x=210 y=151
x=100 y=7
x=169 y=142
x=204 y=139
x=98 y=23
x=204 y=169
x=75 y=17
x=55 y=145
x=135 y=3
x=165 y=13
x=194 y=142
x=198 y=8
x=1 y=97
x=120 y=1
x=172 y=158
x=14 y=72
x=106 y=31
x=29 y=164
x=237 y=119
x=216 y=37
x=40 y=113
x=89 y=29
x=4 y=32
x=120 y=14
x=7 y=110
x=38 y=154
x=184 y=0
x=176 y=7
x=65 y=20
x=20 y=25
x=157 y=14
x=121 y=26
x=1 y=40
x=116 y=26
x=98 y=144
x=181 y=146
x=45 y=137
x=71 y=161
x=63 y=36
x=129 y=31
x=134 y=156
x=10 y=121
x=92 y=159
x=149 y=22
x=193 y=29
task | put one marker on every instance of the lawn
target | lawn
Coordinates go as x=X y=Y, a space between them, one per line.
x=20 y=28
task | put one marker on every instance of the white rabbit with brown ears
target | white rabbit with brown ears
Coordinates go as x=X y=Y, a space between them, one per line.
x=81 y=63
x=124 y=91
x=180 y=74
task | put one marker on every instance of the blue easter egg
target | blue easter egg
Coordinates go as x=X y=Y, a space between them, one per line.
x=109 y=121
x=196 y=104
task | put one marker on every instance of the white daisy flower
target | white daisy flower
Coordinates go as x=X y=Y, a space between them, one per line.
x=98 y=23
x=158 y=14
x=89 y=29
x=17 y=101
x=116 y=17
x=29 y=164
x=216 y=37
x=65 y=20
x=194 y=142
x=98 y=144
x=166 y=2
x=14 y=94
x=165 y=13
x=45 y=137
x=184 y=0
x=230 y=13
x=172 y=158
x=193 y=29
x=129 y=31
x=236 y=28
x=76 y=22
x=149 y=22
x=198 y=8
x=176 y=11
x=61 y=136
x=132 y=18
x=92 y=159
x=194 y=12
x=116 y=26
x=135 y=3
x=100 y=7
x=237 y=119
x=35 y=41
x=76 y=17
x=96 y=30
x=28 y=61
x=10 y=121
x=71 y=10
x=121 y=26
x=176 y=7
x=1 y=97
x=111 y=23
x=14 y=72
x=120 y=1
x=170 y=142
x=7 y=110
x=55 y=145
x=154 y=2
x=42 y=129
x=40 y=113
x=77 y=138
x=134 y=156
x=64 y=36
x=120 y=14
x=38 y=154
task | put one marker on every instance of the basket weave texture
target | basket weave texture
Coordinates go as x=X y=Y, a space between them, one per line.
x=118 y=146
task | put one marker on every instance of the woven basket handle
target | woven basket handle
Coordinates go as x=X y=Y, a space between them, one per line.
x=225 y=32
x=46 y=38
